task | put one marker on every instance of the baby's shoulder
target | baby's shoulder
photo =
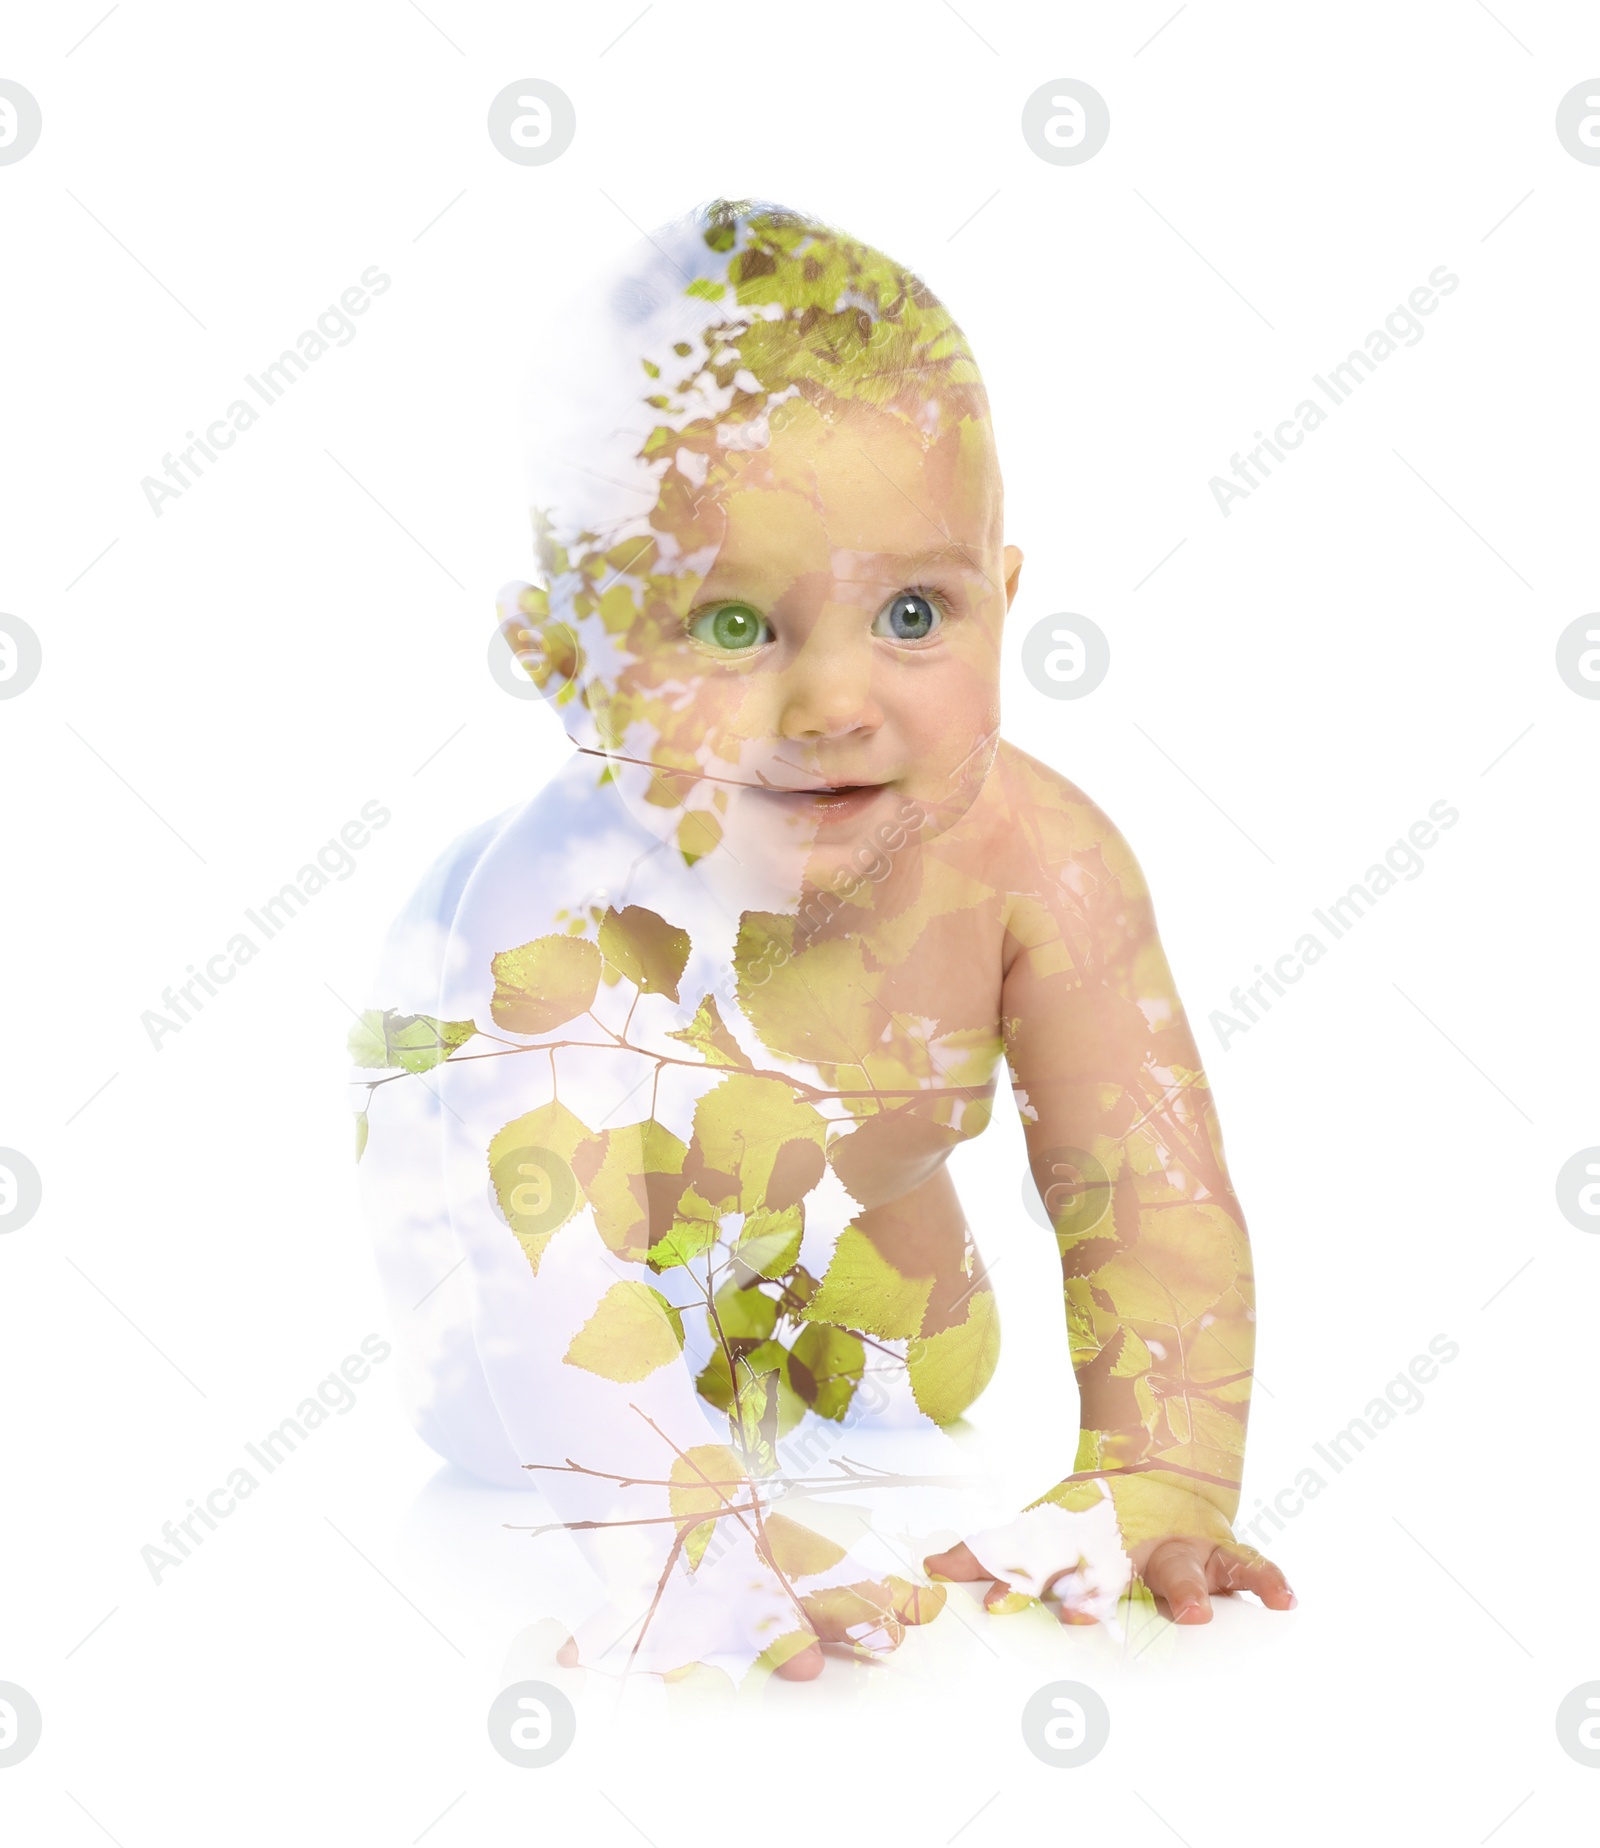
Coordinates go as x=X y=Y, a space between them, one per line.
x=1041 y=822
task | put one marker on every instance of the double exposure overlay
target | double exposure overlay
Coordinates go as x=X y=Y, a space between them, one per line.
x=666 y=1062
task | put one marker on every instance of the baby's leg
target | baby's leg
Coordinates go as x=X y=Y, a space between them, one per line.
x=420 y=1264
x=579 y=1345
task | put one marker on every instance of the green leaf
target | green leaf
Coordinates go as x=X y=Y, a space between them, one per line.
x=1075 y=1497
x=1151 y=1506
x=693 y=1204
x=1187 y=1257
x=632 y=1177
x=648 y=950
x=797 y=1166
x=769 y=1243
x=633 y=1331
x=948 y=1370
x=915 y=1604
x=707 y=1034
x=1134 y=1359
x=798 y=1290
x=705 y=1480
x=531 y=1172
x=699 y=833
x=862 y=1289
x=384 y=1040
x=814 y=1004
x=862 y=1615
x=765 y=1360
x=889 y=1151
x=545 y=983
x=756 y=1412
x=685 y=1239
x=361 y=1134
x=825 y=1366
x=745 y=1313
x=741 y=1128
x=369 y=1042
x=1138 y=1597
x=714 y=1382
x=798 y=1551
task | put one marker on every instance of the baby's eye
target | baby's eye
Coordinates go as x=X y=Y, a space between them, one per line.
x=908 y=617
x=733 y=627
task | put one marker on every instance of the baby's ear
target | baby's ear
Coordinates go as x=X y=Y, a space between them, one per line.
x=545 y=650
x=1013 y=571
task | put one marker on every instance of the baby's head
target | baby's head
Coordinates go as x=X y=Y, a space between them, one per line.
x=770 y=518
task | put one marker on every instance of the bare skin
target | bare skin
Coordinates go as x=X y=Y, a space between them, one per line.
x=1017 y=919
x=1184 y=1575
x=1022 y=942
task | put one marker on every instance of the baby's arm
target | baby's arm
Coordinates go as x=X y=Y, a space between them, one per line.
x=1125 y=1150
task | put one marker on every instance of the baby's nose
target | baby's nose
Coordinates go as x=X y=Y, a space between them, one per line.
x=826 y=689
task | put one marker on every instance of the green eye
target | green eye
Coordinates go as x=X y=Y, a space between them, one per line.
x=733 y=627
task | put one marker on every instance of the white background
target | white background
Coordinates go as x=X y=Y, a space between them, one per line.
x=1373 y=630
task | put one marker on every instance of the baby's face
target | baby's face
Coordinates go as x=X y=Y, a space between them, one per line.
x=839 y=654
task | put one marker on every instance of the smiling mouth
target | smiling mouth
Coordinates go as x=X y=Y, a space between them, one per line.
x=830 y=801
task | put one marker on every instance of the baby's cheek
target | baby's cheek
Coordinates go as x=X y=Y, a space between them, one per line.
x=946 y=722
x=731 y=713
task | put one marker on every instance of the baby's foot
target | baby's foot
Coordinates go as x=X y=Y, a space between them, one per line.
x=778 y=1601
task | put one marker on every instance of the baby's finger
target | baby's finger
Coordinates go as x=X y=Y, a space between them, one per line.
x=1242 y=1568
x=804 y=1665
x=794 y=1656
x=1001 y=1599
x=1174 y=1572
x=960 y=1562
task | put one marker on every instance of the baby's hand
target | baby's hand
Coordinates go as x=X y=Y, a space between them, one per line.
x=1182 y=1572
x=1065 y=1593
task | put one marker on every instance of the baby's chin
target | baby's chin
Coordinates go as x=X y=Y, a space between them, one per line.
x=850 y=826
x=822 y=837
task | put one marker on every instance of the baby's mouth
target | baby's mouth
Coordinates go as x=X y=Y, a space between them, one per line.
x=830 y=802
x=846 y=801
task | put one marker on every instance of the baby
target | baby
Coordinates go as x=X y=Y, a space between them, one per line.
x=672 y=1057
